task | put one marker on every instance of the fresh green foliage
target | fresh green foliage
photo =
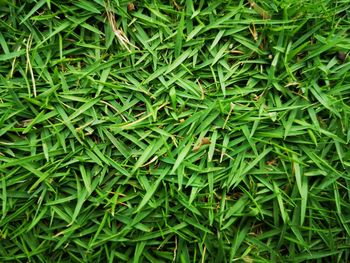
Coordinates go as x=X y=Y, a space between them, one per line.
x=179 y=130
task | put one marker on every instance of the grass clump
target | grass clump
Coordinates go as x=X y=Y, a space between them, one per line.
x=186 y=131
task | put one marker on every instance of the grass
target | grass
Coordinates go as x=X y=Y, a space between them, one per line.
x=182 y=130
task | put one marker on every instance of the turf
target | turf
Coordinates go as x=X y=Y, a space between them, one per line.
x=180 y=130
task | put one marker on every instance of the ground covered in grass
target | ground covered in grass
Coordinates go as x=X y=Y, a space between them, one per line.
x=179 y=130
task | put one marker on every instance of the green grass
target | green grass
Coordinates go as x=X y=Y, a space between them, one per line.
x=182 y=130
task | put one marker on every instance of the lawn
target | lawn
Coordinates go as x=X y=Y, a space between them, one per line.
x=174 y=131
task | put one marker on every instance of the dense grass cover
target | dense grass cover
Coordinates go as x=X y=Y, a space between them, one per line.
x=179 y=130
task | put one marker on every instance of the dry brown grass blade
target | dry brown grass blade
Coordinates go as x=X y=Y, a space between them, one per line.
x=259 y=10
x=29 y=64
x=119 y=33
